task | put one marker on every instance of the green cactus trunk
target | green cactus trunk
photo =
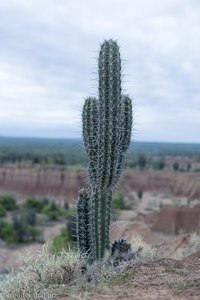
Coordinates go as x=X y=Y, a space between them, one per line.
x=107 y=124
x=82 y=228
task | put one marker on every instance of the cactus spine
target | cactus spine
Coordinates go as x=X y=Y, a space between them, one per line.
x=107 y=124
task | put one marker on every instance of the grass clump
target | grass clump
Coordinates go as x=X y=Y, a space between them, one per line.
x=184 y=285
x=67 y=272
x=61 y=241
x=41 y=275
x=143 y=251
x=192 y=247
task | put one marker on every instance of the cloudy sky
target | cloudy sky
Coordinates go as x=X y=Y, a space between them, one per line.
x=48 y=51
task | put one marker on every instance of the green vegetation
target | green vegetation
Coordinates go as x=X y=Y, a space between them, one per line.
x=69 y=153
x=67 y=273
x=184 y=285
x=141 y=161
x=21 y=224
x=175 y=166
x=24 y=225
x=8 y=202
x=118 y=201
x=8 y=233
x=62 y=241
x=33 y=203
x=2 y=211
x=64 y=153
x=52 y=211
x=140 y=194
x=107 y=125
x=21 y=229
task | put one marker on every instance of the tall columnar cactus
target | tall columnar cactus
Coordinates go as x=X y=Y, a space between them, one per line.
x=107 y=124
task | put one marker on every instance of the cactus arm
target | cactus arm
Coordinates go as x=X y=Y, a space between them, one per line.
x=127 y=123
x=82 y=222
x=90 y=131
x=126 y=117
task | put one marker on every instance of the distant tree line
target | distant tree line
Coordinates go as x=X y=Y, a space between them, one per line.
x=69 y=153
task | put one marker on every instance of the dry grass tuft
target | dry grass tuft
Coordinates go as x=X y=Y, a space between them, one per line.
x=41 y=274
x=143 y=251
x=45 y=275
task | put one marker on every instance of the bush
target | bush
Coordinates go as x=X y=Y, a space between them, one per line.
x=52 y=211
x=141 y=161
x=61 y=241
x=42 y=274
x=118 y=201
x=33 y=203
x=8 y=233
x=8 y=202
x=45 y=201
x=23 y=223
x=66 y=205
x=159 y=165
x=140 y=194
x=175 y=166
x=2 y=211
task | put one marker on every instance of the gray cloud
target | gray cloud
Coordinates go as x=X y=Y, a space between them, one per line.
x=47 y=62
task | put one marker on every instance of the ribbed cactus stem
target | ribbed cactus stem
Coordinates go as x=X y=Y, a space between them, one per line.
x=82 y=222
x=107 y=124
x=109 y=110
x=90 y=131
x=100 y=221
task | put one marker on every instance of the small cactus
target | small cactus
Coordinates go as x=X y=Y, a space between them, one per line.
x=107 y=124
x=121 y=250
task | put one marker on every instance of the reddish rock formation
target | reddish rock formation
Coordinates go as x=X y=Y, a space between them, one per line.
x=58 y=182
x=174 y=220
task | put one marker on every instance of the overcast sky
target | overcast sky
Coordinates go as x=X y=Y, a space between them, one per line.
x=48 y=51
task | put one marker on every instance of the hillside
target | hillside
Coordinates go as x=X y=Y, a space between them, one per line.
x=64 y=184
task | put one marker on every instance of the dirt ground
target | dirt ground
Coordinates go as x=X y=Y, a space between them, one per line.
x=167 y=279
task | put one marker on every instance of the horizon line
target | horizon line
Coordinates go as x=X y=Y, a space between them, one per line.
x=70 y=138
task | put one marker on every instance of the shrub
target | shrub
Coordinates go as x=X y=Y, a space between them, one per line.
x=45 y=201
x=118 y=201
x=52 y=211
x=33 y=203
x=175 y=166
x=159 y=165
x=66 y=213
x=23 y=223
x=62 y=241
x=140 y=194
x=189 y=167
x=141 y=161
x=8 y=233
x=41 y=274
x=8 y=202
x=66 y=205
x=2 y=211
